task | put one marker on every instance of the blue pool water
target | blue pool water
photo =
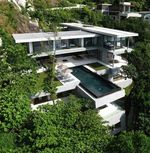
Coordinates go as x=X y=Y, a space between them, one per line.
x=94 y=83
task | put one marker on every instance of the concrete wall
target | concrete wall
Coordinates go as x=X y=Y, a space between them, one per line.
x=109 y=98
x=102 y=100
x=123 y=83
x=70 y=85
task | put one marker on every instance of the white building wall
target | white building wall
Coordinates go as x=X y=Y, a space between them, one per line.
x=102 y=100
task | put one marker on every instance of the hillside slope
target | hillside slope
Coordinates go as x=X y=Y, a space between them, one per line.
x=13 y=20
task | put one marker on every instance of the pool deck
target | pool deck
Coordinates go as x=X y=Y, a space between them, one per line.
x=71 y=61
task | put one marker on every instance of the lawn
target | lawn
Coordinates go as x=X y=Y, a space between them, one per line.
x=41 y=78
x=97 y=66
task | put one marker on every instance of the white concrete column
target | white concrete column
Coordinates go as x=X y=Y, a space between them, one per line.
x=114 y=49
x=129 y=9
x=30 y=48
x=54 y=45
x=82 y=42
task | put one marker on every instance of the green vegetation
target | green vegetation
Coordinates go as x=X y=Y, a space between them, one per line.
x=130 y=142
x=72 y=126
x=16 y=84
x=42 y=76
x=7 y=142
x=48 y=17
x=139 y=99
x=12 y=20
x=128 y=89
x=97 y=66
x=68 y=127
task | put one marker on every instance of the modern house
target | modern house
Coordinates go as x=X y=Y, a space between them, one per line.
x=120 y=11
x=125 y=10
x=104 y=8
x=94 y=57
x=145 y=15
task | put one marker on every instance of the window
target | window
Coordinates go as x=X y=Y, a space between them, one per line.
x=108 y=42
x=42 y=46
x=74 y=43
x=89 y=42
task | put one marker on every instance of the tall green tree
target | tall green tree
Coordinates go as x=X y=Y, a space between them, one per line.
x=67 y=127
x=129 y=142
x=17 y=84
x=139 y=98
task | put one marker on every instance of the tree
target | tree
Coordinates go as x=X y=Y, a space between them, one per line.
x=17 y=84
x=139 y=4
x=7 y=142
x=66 y=127
x=49 y=83
x=129 y=142
x=139 y=98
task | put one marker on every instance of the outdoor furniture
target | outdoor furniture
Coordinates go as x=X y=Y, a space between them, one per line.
x=63 y=72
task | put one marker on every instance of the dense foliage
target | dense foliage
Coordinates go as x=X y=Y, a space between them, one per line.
x=17 y=83
x=48 y=17
x=130 y=142
x=139 y=98
x=12 y=20
x=72 y=126
x=65 y=127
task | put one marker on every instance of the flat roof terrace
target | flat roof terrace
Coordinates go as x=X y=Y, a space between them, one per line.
x=46 y=36
x=100 y=30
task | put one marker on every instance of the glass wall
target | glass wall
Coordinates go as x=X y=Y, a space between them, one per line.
x=114 y=43
x=42 y=46
x=67 y=44
x=74 y=43
x=90 y=42
x=108 y=42
x=120 y=42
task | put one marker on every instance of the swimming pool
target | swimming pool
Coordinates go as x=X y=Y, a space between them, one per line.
x=93 y=83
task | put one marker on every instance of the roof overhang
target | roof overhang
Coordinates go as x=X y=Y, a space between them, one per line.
x=47 y=36
x=101 y=30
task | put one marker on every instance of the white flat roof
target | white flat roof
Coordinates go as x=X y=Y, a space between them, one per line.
x=125 y=3
x=105 y=4
x=46 y=36
x=131 y=14
x=101 y=30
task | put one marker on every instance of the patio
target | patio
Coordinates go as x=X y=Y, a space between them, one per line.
x=75 y=60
